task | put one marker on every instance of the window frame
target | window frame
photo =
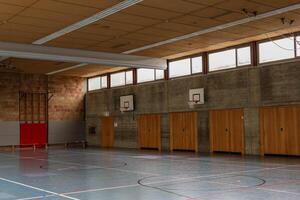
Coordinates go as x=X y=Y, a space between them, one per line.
x=124 y=70
x=277 y=38
x=191 y=66
x=100 y=76
x=155 y=79
x=236 y=47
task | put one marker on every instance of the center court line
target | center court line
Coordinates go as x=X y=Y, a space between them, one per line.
x=39 y=189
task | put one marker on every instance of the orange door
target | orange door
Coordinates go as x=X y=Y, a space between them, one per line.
x=183 y=131
x=272 y=129
x=107 y=132
x=236 y=130
x=149 y=131
x=291 y=129
x=219 y=130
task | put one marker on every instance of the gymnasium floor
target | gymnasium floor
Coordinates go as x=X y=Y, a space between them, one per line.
x=145 y=175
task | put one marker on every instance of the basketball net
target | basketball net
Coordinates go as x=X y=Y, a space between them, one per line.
x=192 y=103
x=123 y=109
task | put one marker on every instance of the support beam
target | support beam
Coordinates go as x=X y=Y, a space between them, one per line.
x=37 y=52
x=218 y=28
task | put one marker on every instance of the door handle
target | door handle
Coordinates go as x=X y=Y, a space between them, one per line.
x=281 y=129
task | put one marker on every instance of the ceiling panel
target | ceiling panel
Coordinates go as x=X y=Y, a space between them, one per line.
x=90 y=70
x=231 y=16
x=10 y=9
x=36 y=66
x=173 y=5
x=176 y=27
x=31 y=21
x=92 y=3
x=12 y=35
x=102 y=31
x=23 y=3
x=276 y=3
x=144 y=37
x=239 y=5
x=210 y=12
x=199 y=22
x=116 y=25
x=150 y=12
x=67 y=8
x=50 y=15
x=90 y=36
x=25 y=28
x=132 y=19
x=160 y=32
x=205 y=2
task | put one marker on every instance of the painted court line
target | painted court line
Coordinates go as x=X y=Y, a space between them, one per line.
x=108 y=168
x=158 y=182
x=39 y=189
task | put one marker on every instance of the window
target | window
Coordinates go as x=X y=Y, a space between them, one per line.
x=94 y=84
x=97 y=83
x=103 y=81
x=276 y=50
x=297 y=40
x=159 y=74
x=229 y=58
x=222 y=60
x=197 y=65
x=146 y=75
x=129 y=77
x=179 y=68
x=121 y=78
x=185 y=67
x=117 y=79
x=244 y=56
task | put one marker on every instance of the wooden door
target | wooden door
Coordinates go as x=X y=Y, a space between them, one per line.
x=149 y=131
x=226 y=130
x=183 y=131
x=236 y=130
x=291 y=129
x=107 y=132
x=273 y=139
x=219 y=130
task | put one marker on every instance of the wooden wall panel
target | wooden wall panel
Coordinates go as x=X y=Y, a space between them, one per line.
x=279 y=129
x=183 y=131
x=226 y=130
x=236 y=127
x=149 y=131
x=107 y=132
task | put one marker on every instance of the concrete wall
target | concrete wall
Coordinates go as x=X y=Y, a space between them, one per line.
x=247 y=88
x=66 y=107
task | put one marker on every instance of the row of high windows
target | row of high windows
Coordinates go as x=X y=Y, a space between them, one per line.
x=267 y=51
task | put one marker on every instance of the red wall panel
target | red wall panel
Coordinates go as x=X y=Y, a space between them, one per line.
x=33 y=134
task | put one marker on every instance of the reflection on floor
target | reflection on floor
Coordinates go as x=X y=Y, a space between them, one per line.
x=145 y=175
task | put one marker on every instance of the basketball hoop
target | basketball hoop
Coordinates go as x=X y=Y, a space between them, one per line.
x=192 y=103
x=125 y=107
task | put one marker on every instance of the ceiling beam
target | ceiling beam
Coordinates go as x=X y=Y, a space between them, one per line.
x=218 y=28
x=37 y=52
x=100 y=15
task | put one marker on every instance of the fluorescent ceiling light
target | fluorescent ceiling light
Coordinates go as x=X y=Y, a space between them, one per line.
x=37 y=52
x=218 y=28
x=114 y=9
x=67 y=68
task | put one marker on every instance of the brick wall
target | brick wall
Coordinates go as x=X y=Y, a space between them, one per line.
x=66 y=106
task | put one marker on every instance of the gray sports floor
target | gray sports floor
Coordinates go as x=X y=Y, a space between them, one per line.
x=145 y=175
